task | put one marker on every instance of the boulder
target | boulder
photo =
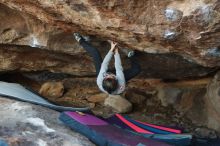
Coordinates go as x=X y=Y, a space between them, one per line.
x=54 y=49
x=205 y=133
x=118 y=103
x=27 y=124
x=169 y=95
x=136 y=98
x=97 y=98
x=52 y=89
x=173 y=40
x=213 y=102
x=188 y=27
x=25 y=58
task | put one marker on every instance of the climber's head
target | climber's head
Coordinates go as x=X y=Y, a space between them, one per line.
x=110 y=83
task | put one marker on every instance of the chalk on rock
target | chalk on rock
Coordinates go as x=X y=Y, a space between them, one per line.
x=173 y=14
x=169 y=34
x=211 y=52
x=204 y=15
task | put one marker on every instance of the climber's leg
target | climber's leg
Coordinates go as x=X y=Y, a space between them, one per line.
x=93 y=52
x=135 y=68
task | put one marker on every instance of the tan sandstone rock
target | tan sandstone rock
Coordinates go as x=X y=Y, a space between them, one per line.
x=31 y=124
x=118 y=103
x=97 y=97
x=52 y=89
x=187 y=27
x=213 y=102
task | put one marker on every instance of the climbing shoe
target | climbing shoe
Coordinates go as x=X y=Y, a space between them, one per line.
x=128 y=52
x=77 y=36
x=131 y=53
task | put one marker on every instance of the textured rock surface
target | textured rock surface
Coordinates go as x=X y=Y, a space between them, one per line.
x=169 y=96
x=22 y=28
x=27 y=124
x=141 y=93
x=52 y=89
x=24 y=58
x=118 y=103
x=97 y=97
x=212 y=102
x=189 y=28
x=186 y=32
x=205 y=133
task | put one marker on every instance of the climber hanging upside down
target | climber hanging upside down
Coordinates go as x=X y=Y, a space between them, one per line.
x=107 y=81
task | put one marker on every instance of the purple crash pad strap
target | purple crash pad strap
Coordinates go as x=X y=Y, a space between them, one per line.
x=86 y=119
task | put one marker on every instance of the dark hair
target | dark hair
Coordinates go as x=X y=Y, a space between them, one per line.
x=110 y=84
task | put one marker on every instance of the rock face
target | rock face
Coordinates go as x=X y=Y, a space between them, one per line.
x=22 y=29
x=168 y=96
x=206 y=133
x=189 y=28
x=27 y=124
x=24 y=58
x=212 y=101
x=97 y=98
x=52 y=89
x=57 y=51
x=118 y=103
x=173 y=39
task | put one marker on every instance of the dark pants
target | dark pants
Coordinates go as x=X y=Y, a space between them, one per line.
x=94 y=53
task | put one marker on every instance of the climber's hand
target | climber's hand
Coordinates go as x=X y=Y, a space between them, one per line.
x=113 y=44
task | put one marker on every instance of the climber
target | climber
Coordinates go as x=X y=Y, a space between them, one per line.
x=106 y=80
